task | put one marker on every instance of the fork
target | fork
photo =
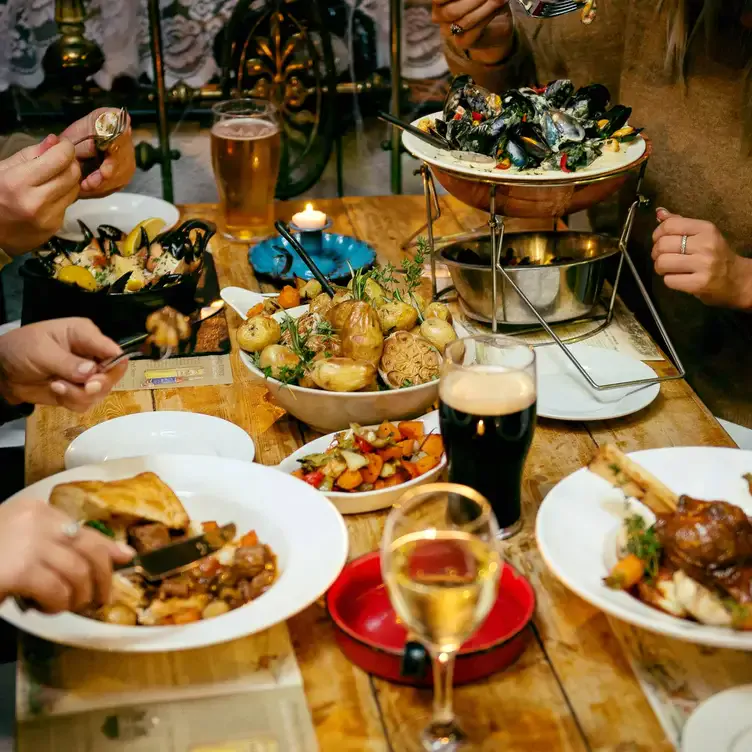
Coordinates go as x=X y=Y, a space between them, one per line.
x=539 y=9
x=102 y=142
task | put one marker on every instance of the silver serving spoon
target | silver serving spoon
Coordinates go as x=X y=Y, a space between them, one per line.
x=133 y=345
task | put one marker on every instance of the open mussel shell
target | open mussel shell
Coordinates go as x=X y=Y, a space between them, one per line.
x=119 y=284
x=515 y=103
x=590 y=101
x=560 y=128
x=531 y=139
x=617 y=117
x=559 y=92
x=454 y=97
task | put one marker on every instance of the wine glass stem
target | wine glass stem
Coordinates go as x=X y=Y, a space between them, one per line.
x=443 y=675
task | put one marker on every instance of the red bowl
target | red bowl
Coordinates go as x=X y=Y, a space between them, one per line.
x=369 y=634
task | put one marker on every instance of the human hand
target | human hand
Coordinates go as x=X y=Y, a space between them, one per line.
x=37 y=185
x=45 y=564
x=475 y=17
x=709 y=269
x=55 y=363
x=119 y=163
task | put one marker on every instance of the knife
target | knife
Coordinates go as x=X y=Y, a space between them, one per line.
x=170 y=560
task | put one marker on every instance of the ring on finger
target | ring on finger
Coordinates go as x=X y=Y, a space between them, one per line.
x=683 y=247
x=71 y=529
x=456 y=29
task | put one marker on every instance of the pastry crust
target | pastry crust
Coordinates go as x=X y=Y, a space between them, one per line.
x=143 y=497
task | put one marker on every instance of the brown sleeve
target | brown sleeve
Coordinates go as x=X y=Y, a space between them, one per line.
x=517 y=69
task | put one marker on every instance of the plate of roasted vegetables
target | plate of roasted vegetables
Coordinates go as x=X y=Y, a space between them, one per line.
x=549 y=133
x=370 y=353
x=290 y=546
x=366 y=468
x=677 y=562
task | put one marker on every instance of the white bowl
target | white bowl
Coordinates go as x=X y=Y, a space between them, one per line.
x=367 y=501
x=161 y=432
x=334 y=411
x=121 y=210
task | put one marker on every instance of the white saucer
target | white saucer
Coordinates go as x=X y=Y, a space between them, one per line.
x=563 y=394
x=121 y=210
x=723 y=723
x=160 y=432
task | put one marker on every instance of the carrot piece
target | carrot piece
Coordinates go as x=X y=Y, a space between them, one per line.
x=390 y=453
x=411 y=429
x=379 y=484
x=350 y=479
x=167 y=621
x=626 y=573
x=412 y=468
x=407 y=446
x=249 y=539
x=289 y=297
x=424 y=464
x=187 y=617
x=389 y=430
x=256 y=310
x=397 y=479
x=299 y=473
x=433 y=445
x=371 y=472
x=207 y=527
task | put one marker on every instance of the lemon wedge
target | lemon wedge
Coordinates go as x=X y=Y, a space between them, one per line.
x=77 y=275
x=151 y=226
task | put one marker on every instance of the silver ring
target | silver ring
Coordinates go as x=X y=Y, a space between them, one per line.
x=456 y=29
x=71 y=529
x=683 y=248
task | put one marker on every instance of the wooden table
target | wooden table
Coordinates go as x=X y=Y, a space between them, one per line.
x=575 y=686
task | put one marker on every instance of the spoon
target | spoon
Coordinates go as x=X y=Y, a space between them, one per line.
x=132 y=345
x=284 y=231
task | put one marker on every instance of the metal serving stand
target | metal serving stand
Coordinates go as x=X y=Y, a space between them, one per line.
x=496 y=232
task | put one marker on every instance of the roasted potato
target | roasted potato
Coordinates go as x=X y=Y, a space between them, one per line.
x=339 y=313
x=311 y=289
x=341 y=294
x=362 y=338
x=437 y=311
x=258 y=332
x=277 y=357
x=342 y=374
x=438 y=332
x=320 y=304
x=397 y=316
x=373 y=290
x=418 y=301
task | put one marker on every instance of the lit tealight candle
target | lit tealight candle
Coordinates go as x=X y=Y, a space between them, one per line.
x=310 y=219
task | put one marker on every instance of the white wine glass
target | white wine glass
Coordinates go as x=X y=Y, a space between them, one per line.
x=441 y=566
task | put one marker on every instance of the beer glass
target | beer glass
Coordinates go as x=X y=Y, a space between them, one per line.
x=487 y=411
x=441 y=566
x=245 y=145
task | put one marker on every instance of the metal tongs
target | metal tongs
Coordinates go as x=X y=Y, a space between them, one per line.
x=555 y=8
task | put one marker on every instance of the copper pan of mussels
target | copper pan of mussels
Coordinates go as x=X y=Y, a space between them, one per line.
x=371 y=353
x=562 y=273
x=546 y=152
x=116 y=279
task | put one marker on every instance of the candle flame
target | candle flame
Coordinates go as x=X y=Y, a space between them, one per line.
x=309 y=207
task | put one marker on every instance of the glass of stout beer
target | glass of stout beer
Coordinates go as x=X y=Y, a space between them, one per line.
x=245 y=145
x=487 y=410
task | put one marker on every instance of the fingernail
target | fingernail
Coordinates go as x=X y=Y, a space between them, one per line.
x=59 y=388
x=661 y=210
x=93 y=387
x=126 y=550
x=86 y=367
x=94 y=180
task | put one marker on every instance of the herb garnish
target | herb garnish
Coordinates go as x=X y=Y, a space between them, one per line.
x=642 y=541
x=101 y=527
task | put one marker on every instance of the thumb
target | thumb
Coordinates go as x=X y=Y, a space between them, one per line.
x=87 y=341
x=663 y=214
x=30 y=153
x=120 y=553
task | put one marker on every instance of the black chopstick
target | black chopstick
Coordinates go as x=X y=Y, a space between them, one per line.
x=284 y=231
x=417 y=132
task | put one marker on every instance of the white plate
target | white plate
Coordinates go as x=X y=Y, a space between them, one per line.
x=578 y=521
x=368 y=501
x=563 y=393
x=301 y=525
x=241 y=301
x=607 y=162
x=121 y=210
x=161 y=432
x=723 y=723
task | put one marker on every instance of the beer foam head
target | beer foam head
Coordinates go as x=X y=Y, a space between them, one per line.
x=485 y=390
x=244 y=129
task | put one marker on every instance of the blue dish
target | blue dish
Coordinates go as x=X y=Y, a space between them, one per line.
x=273 y=258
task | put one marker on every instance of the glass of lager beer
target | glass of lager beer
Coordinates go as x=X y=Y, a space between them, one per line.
x=487 y=411
x=245 y=144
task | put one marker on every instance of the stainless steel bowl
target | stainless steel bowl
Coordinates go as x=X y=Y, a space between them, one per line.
x=560 y=289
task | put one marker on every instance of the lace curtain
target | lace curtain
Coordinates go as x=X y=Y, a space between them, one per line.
x=121 y=29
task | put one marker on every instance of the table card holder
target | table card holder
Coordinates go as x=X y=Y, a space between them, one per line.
x=242 y=696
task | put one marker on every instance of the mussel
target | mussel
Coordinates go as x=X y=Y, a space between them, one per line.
x=530 y=137
x=178 y=242
x=512 y=102
x=589 y=101
x=559 y=92
x=560 y=128
x=454 y=97
x=581 y=155
x=615 y=118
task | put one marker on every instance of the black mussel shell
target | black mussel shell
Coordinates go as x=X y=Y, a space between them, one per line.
x=482 y=101
x=178 y=241
x=166 y=281
x=559 y=92
x=119 y=284
x=440 y=127
x=87 y=233
x=41 y=265
x=110 y=232
x=617 y=118
x=63 y=246
x=517 y=155
x=143 y=241
x=454 y=97
x=513 y=102
x=530 y=137
x=478 y=137
x=589 y=102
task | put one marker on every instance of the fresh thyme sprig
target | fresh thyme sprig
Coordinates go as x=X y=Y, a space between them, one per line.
x=642 y=541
